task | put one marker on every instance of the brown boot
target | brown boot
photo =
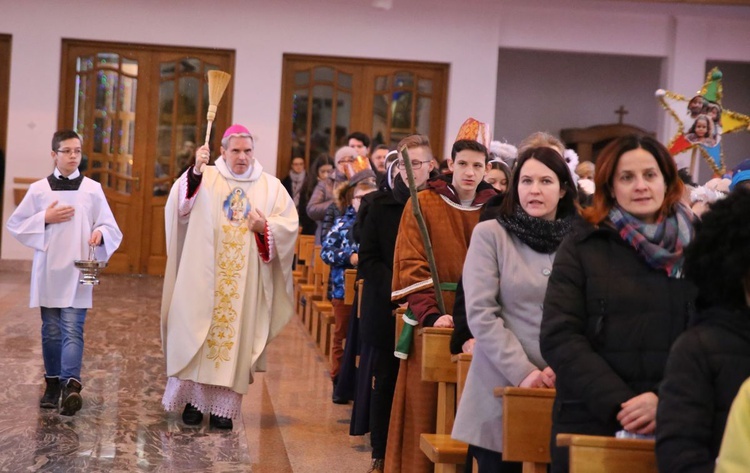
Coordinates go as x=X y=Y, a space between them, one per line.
x=51 y=397
x=71 y=398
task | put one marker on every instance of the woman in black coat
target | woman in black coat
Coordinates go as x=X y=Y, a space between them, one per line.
x=616 y=299
x=709 y=362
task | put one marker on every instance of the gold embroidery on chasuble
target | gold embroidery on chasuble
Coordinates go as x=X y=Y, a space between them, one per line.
x=230 y=266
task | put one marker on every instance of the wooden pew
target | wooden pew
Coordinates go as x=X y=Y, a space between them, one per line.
x=594 y=454
x=312 y=291
x=302 y=256
x=306 y=251
x=438 y=366
x=463 y=362
x=321 y=273
x=20 y=187
x=527 y=426
x=350 y=280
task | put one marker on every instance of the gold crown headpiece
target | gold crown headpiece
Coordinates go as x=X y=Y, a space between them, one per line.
x=360 y=163
x=473 y=129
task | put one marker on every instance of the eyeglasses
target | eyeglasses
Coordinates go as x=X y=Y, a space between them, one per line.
x=69 y=152
x=414 y=164
x=346 y=160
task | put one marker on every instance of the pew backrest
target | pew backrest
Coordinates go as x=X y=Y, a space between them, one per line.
x=436 y=355
x=527 y=424
x=593 y=454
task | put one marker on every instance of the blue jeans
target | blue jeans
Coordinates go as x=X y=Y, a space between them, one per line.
x=62 y=342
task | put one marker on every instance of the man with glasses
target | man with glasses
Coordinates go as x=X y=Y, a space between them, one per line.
x=450 y=205
x=61 y=217
x=231 y=230
x=379 y=220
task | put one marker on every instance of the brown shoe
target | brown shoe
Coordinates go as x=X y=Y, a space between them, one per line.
x=71 y=398
x=377 y=466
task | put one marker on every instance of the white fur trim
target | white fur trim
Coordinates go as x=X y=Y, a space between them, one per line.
x=413 y=288
x=409 y=321
x=504 y=151
x=571 y=158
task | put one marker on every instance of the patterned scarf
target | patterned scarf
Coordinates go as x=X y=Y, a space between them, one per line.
x=662 y=243
x=542 y=236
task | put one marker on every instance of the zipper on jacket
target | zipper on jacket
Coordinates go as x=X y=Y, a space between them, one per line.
x=599 y=326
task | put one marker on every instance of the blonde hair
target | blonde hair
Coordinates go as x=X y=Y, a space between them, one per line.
x=585 y=167
x=541 y=139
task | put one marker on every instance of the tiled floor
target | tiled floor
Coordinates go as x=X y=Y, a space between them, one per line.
x=288 y=425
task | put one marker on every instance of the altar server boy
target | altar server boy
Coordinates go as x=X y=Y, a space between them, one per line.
x=60 y=217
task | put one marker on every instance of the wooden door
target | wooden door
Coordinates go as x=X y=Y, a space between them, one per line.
x=405 y=99
x=135 y=107
x=321 y=107
x=326 y=98
x=5 y=44
x=177 y=127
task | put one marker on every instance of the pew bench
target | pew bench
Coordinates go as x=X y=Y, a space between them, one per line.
x=594 y=454
x=527 y=426
x=439 y=366
x=444 y=451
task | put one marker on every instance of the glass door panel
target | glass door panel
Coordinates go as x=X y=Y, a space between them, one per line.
x=320 y=111
x=326 y=98
x=321 y=117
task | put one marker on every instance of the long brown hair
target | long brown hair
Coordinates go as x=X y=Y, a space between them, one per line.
x=606 y=164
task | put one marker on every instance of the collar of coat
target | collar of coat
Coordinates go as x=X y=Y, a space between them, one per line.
x=733 y=319
x=441 y=185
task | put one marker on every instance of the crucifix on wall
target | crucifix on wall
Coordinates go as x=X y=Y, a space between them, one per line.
x=621 y=112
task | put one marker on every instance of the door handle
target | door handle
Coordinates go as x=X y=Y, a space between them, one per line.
x=137 y=182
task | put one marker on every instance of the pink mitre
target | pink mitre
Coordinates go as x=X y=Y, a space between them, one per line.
x=236 y=130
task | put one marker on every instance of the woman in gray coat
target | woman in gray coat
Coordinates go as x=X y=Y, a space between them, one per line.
x=505 y=279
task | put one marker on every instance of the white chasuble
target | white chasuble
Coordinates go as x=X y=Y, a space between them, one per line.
x=222 y=302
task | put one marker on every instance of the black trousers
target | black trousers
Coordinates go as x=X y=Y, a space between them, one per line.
x=384 y=375
x=489 y=461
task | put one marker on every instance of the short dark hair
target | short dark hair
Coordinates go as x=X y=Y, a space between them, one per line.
x=471 y=145
x=63 y=135
x=718 y=258
x=685 y=177
x=552 y=159
x=359 y=136
x=379 y=147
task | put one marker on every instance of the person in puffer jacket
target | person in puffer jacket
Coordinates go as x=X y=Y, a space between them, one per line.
x=710 y=361
x=339 y=250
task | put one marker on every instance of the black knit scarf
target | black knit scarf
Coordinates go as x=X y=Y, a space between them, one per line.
x=543 y=236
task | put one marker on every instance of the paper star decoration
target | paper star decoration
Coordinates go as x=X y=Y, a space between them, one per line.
x=706 y=123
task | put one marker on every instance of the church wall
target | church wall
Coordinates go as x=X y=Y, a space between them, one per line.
x=466 y=34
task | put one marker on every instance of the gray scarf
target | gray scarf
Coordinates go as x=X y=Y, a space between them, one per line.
x=298 y=178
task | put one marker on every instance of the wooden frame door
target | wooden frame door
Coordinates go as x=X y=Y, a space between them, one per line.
x=5 y=47
x=325 y=98
x=135 y=107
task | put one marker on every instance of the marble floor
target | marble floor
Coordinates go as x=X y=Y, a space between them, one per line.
x=288 y=421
